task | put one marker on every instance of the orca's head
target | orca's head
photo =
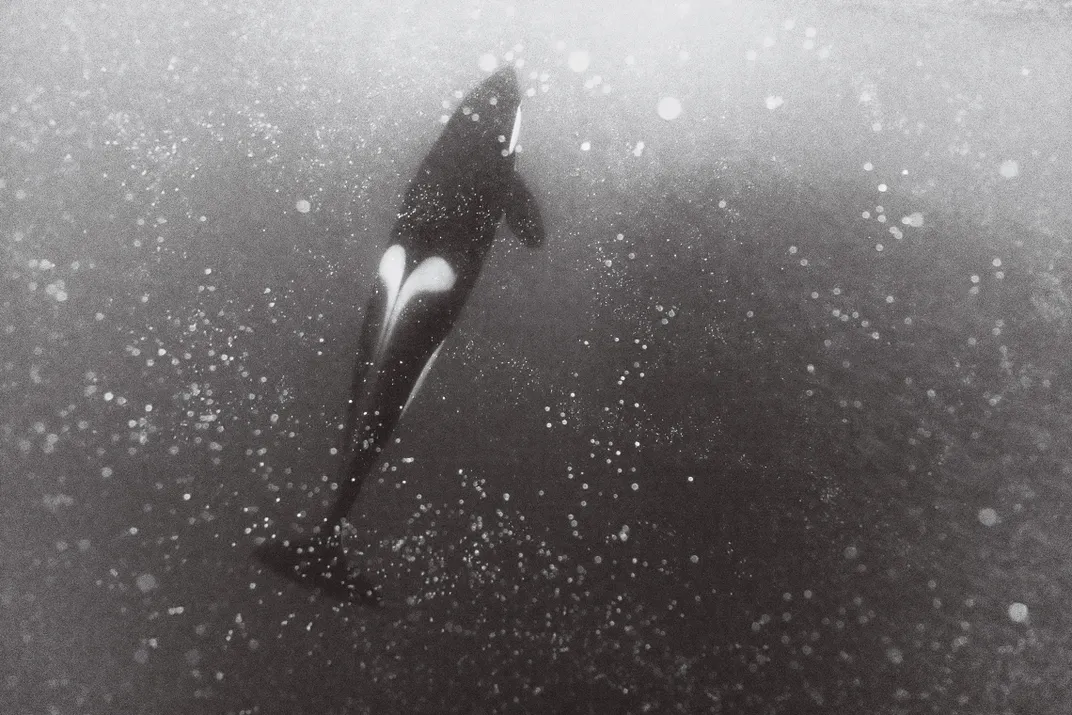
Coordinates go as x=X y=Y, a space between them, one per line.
x=487 y=123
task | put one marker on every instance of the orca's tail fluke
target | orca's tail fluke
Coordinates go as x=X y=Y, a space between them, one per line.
x=319 y=562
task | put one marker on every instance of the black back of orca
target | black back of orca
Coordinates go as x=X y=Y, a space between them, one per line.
x=447 y=223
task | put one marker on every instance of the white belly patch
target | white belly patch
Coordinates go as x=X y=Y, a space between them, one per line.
x=421 y=378
x=516 y=133
x=432 y=275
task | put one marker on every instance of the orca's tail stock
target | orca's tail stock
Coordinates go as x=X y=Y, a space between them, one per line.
x=319 y=562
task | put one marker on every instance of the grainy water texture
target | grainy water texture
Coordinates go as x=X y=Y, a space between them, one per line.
x=777 y=420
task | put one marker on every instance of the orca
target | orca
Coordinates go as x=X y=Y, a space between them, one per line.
x=465 y=187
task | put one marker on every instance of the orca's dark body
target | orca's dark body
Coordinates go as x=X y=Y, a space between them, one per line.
x=452 y=208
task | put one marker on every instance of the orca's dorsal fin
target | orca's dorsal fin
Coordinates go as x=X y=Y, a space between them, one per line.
x=523 y=215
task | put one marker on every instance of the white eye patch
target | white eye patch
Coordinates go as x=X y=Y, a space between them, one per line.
x=433 y=275
x=392 y=265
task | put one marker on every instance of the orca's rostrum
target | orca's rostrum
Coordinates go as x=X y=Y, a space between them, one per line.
x=464 y=188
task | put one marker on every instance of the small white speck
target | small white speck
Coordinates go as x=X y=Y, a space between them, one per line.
x=579 y=60
x=1010 y=168
x=1018 y=612
x=146 y=582
x=669 y=108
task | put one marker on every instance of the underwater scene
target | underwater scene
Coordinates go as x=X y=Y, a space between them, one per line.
x=501 y=357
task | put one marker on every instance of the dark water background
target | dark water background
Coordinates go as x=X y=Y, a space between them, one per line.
x=710 y=450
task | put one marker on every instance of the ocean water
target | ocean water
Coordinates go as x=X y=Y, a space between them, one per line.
x=774 y=422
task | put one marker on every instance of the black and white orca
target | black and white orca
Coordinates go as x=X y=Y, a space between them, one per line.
x=462 y=191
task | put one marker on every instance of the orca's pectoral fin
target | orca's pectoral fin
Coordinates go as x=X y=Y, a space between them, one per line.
x=523 y=214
